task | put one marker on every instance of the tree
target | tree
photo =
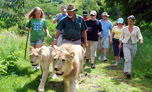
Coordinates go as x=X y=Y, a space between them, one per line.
x=13 y=13
x=141 y=9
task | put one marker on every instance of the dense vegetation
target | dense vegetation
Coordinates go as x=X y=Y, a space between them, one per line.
x=13 y=16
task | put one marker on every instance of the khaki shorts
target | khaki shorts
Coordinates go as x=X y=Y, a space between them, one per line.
x=78 y=42
x=92 y=48
x=103 y=42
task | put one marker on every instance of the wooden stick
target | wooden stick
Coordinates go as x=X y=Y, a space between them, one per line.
x=26 y=44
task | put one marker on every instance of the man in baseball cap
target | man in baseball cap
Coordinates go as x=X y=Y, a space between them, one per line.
x=94 y=30
x=105 y=14
x=104 y=38
x=85 y=15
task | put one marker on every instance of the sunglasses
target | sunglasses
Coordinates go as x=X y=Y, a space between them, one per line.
x=92 y=15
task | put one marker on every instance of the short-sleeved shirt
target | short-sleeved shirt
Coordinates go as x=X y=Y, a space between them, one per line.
x=60 y=18
x=94 y=27
x=106 y=27
x=37 y=27
x=72 y=30
x=117 y=32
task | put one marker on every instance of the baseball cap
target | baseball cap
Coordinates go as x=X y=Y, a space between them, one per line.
x=85 y=13
x=93 y=12
x=105 y=14
x=120 y=20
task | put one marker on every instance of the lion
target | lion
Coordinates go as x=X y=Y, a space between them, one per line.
x=68 y=62
x=42 y=56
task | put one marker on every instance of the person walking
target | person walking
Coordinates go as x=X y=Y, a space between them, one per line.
x=85 y=15
x=129 y=37
x=94 y=30
x=104 y=38
x=57 y=19
x=114 y=39
x=37 y=26
x=74 y=28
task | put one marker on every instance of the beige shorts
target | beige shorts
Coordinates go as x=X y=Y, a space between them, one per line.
x=92 y=48
x=103 y=43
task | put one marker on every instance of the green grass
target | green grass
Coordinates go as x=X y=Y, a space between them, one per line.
x=104 y=78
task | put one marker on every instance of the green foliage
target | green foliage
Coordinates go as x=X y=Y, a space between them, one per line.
x=146 y=29
x=141 y=9
x=16 y=16
x=7 y=64
x=48 y=7
x=142 y=62
x=10 y=51
x=7 y=20
x=52 y=30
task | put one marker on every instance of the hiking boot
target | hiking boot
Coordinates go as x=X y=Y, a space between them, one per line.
x=128 y=75
x=87 y=61
x=92 y=66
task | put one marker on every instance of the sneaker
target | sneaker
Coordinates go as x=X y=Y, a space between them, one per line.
x=37 y=67
x=105 y=58
x=92 y=66
x=99 y=58
x=121 y=60
x=116 y=64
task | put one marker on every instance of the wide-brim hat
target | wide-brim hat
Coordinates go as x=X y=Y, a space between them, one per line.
x=71 y=8
x=105 y=14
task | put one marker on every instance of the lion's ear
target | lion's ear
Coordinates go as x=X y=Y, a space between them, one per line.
x=72 y=54
x=40 y=50
x=31 y=48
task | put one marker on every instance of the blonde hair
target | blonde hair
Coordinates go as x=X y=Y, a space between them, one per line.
x=32 y=13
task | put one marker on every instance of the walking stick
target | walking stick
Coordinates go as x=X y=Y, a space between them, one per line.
x=26 y=44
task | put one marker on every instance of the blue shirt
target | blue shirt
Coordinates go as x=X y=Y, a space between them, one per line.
x=105 y=28
x=59 y=19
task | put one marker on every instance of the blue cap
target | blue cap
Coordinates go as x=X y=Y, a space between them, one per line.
x=85 y=12
x=120 y=20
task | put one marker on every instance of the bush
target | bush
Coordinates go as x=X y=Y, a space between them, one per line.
x=142 y=66
x=10 y=50
x=7 y=65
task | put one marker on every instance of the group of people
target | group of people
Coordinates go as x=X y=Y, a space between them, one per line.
x=90 y=32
